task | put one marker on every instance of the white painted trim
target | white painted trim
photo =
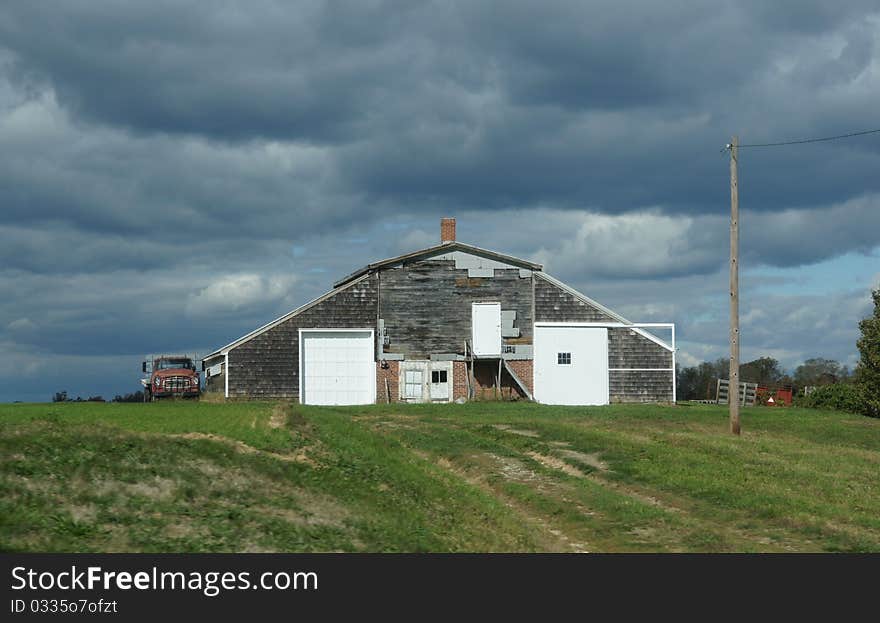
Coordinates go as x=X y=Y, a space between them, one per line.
x=614 y=325
x=635 y=326
x=372 y=333
x=586 y=299
x=226 y=377
x=674 y=379
x=225 y=349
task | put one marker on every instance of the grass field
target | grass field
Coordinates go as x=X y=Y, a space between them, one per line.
x=182 y=476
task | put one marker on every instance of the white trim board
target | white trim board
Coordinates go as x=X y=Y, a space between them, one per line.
x=586 y=299
x=635 y=326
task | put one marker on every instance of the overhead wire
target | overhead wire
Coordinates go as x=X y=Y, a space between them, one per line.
x=806 y=140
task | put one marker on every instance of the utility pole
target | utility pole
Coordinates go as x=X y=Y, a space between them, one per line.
x=733 y=393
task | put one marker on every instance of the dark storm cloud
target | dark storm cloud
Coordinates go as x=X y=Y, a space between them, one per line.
x=217 y=164
x=608 y=104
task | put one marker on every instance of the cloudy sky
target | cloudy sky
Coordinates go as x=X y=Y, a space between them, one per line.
x=175 y=174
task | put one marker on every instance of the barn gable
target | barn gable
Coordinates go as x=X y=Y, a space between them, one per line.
x=417 y=326
x=265 y=362
x=412 y=319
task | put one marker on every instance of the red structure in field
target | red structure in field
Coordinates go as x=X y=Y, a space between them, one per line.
x=775 y=396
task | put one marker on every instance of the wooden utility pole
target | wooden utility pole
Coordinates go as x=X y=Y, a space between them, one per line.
x=733 y=393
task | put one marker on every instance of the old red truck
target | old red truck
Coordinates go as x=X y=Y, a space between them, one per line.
x=170 y=376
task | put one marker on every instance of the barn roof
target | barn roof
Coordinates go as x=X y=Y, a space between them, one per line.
x=440 y=249
x=244 y=338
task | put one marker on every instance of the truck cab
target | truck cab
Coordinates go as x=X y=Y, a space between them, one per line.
x=170 y=376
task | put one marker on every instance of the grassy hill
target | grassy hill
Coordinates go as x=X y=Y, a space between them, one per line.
x=182 y=476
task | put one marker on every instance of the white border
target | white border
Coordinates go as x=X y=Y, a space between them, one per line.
x=586 y=299
x=372 y=333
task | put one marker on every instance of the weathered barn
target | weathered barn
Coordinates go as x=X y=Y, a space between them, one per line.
x=449 y=322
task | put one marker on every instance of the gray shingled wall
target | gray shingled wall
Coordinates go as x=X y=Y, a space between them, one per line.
x=426 y=306
x=267 y=366
x=640 y=386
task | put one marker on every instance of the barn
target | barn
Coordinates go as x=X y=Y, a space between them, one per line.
x=448 y=323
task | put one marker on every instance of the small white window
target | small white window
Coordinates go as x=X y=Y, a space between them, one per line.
x=438 y=376
x=413 y=385
x=563 y=359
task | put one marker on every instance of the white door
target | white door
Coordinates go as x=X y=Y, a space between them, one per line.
x=413 y=387
x=440 y=384
x=571 y=365
x=337 y=368
x=486 y=329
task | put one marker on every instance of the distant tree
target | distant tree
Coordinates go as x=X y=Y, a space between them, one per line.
x=868 y=370
x=96 y=399
x=137 y=396
x=60 y=397
x=763 y=371
x=820 y=371
x=699 y=382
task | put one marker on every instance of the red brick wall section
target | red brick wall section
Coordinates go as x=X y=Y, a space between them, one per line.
x=524 y=369
x=485 y=373
x=459 y=380
x=392 y=373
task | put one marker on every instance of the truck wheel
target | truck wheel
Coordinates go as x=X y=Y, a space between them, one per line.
x=147 y=394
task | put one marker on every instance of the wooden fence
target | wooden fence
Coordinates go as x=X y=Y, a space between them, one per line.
x=747 y=393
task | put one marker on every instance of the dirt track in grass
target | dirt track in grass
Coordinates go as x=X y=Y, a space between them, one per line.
x=477 y=477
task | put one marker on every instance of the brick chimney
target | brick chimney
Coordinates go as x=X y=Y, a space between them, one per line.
x=447 y=230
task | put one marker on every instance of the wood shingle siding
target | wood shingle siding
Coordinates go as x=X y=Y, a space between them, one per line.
x=640 y=386
x=628 y=349
x=553 y=304
x=267 y=365
x=426 y=306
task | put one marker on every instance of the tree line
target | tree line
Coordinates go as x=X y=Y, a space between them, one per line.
x=837 y=388
x=62 y=396
x=699 y=382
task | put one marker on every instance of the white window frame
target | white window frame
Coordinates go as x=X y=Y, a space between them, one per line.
x=420 y=385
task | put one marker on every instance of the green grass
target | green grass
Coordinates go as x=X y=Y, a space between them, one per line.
x=184 y=476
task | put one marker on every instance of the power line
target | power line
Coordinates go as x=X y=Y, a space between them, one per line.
x=807 y=140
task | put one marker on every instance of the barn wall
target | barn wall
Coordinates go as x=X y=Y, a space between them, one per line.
x=486 y=380
x=216 y=383
x=267 y=366
x=640 y=386
x=626 y=348
x=426 y=306
x=553 y=304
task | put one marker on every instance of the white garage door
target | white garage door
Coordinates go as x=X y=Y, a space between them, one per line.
x=337 y=367
x=571 y=365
